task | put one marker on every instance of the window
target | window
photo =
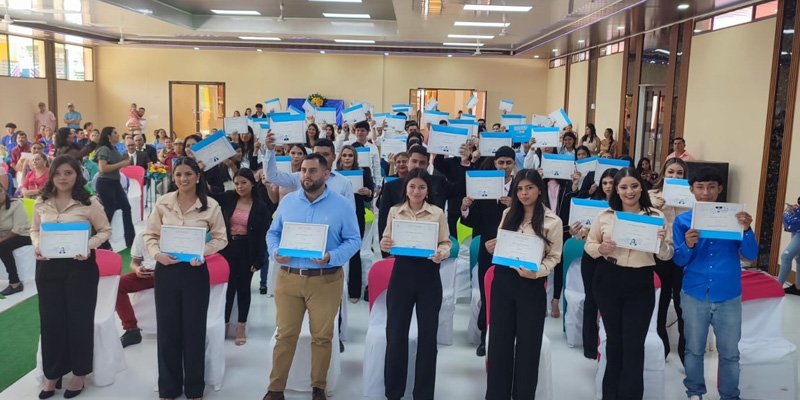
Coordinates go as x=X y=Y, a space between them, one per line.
x=580 y=57
x=613 y=48
x=767 y=9
x=3 y=55
x=25 y=57
x=737 y=17
x=73 y=62
x=558 y=62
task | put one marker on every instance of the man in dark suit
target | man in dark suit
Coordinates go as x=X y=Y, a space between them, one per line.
x=140 y=141
x=138 y=157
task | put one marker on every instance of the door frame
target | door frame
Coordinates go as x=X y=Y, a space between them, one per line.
x=196 y=100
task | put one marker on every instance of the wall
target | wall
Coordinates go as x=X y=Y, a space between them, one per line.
x=19 y=100
x=607 y=98
x=83 y=95
x=578 y=91
x=726 y=103
x=142 y=75
x=556 y=79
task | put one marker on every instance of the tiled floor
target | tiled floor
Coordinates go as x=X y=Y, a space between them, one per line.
x=460 y=374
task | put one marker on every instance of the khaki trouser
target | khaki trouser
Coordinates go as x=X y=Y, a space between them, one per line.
x=321 y=296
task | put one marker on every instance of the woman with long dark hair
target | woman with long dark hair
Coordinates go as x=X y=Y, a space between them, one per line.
x=110 y=161
x=607 y=144
x=415 y=282
x=348 y=161
x=623 y=287
x=518 y=298
x=67 y=287
x=590 y=139
x=14 y=233
x=246 y=220
x=249 y=145
x=182 y=288
x=312 y=135
x=66 y=146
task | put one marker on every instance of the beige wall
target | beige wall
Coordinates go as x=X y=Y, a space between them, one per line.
x=18 y=101
x=578 y=91
x=134 y=74
x=556 y=79
x=607 y=97
x=83 y=95
x=726 y=103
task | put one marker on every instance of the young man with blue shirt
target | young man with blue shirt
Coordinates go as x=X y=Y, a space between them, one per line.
x=313 y=284
x=712 y=290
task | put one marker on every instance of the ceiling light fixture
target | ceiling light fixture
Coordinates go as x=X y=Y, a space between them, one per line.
x=336 y=1
x=261 y=38
x=536 y=56
x=683 y=6
x=235 y=12
x=452 y=36
x=259 y=50
x=555 y=50
x=350 y=16
x=357 y=41
x=487 y=7
x=788 y=31
x=483 y=24
x=621 y=28
x=581 y=41
x=386 y=54
x=450 y=55
x=197 y=48
x=462 y=44
x=322 y=52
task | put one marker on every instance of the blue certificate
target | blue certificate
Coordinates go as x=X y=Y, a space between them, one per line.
x=288 y=128
x=433 y=117
x=473 y=101
x=396 y=123
x=213 y=150
x=677 y=193
x=235 y=124
x=468 y=124
x=446 y=140
x=560 y=118
x=325 y=115
x=284 y=163
x=546 y=137
x=521 y=133
x=64 y=239
x=512 y=119
x=355 y=114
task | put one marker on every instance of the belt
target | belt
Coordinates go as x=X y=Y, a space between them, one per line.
x=311 y=272
x=239 y=237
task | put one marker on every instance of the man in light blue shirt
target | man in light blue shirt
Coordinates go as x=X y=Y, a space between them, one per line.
x=313 y=284
x=72 y=118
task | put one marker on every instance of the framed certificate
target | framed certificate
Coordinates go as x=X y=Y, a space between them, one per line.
x=64 y=239
x=446 y=140
x=235 y=124
x=392 y=146
x=356 y=178
x=676 y=193
x=515 y=249
x=717 y=220
x=396 y=123
x=606 y=163
x=288 y=128
x=302 y=240
x=637 y=232
x=491 y=141
x=213 y=150
x=521 y=133
x=486 y=185
x=546 y=137
x=558 y=166
x=414 y=238
x=586 y=210
x=183 y=242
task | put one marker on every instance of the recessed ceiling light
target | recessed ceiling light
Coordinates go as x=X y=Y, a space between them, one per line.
x=555 y=50
x=483 y=24
x=386 y=54
x=261 y=38
x=470 y=36
x=486 y=7
x=536 y=56
x=359 y=41
x=683 y=6
x=337 y=1
x=259 y=50
x=450 y=55
x=351 y=16
x=235 y=12
x=621 y=28
x=581 y=41
x=322 y=52
x=463 y=44
x=197 y=48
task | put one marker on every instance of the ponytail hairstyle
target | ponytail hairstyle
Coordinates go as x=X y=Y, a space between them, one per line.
x=516 y=213
x=675 y=160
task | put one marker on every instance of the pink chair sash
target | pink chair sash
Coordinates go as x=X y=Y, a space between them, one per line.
x=137 y=173
x=378 y=278
x=108 y=262
x=218 y=269
x=758 y=285
x=487 y=287
x=656 y=281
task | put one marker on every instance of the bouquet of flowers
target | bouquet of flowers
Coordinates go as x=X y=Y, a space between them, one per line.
x=317 y=99
x=157 y=171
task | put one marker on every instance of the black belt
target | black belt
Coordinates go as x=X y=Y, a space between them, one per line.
x=239 y=237
x=311 y=271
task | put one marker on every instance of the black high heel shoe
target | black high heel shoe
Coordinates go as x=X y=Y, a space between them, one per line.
x=68 y=394
x=46 y=394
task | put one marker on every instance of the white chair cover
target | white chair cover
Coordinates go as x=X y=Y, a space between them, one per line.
x=26 y=264
x=447 y=271
x=144 y=305
x=463 y=282
x=135 y=193
x=215 y=336
x=473 y=333
x=574 y=295
x=375 y=351
x=117 y=239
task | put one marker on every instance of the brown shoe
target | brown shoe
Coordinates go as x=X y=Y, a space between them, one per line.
x=273 y=396
x=318 y=394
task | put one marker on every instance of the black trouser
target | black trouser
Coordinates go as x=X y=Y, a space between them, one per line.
x=452 y=219
x=6 y=248
x=518 y=307
x=67 y=298
x=671 y=282
x=415 y=282
x=181 y=292
x=484 y=263
x=114 y=198
x=590 y=328
x=625 y=297
x=354 y=269
x=237 y=253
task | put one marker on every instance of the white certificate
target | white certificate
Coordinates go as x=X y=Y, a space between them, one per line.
x=363 y=154
x=585 y=210
x=183 y=242
x=560 y=118
x=235 y=124
x=491 y=141
x=676 y=193
x=213 y=150
x=607 y=163
x=506 y=105
x=546 y=137
x=325 y=115
x=392 y=146
x=541 y=120
x=396 y=123
x=431 y=104
x=414 y=238
x=64 y=240
x=558 y=166
x=433 y=117
x=446 y=140
x=637 y=232
x=356 y=178
x=272 y=105
x=512 y=119
x=717 y=220
x=354 y=114
x=515 y=249
x=473 y=101
x=284 y=163
x=486 y=185
x=289 y=128
x=470 y=125
x=585 y=166
x=469 y=117
x=303 y=240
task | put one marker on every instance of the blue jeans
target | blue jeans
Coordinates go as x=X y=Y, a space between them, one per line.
x=726 y=318
x=791 y=252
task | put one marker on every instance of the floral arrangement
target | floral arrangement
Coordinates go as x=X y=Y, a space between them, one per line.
x=157 y=171
x=317 y=99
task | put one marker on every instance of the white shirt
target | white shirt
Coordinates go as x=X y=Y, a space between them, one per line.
x=137 y=251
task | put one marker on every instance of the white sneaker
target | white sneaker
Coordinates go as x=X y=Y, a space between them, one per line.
x=695 y=397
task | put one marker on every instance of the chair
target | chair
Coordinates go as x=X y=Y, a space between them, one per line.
x=573 y=291
x=447 y=272
x=654 y=363
x=544 y=387
x=218 y=272
x=108 y=356
x=28 y=205
x=462 y=231
x=26 y=264
x=473 y=333
x=135 y=176
x=463 y=282
x=117 y=239
x=375 y=341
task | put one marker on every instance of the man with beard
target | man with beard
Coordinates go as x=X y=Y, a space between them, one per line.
x=313 y=284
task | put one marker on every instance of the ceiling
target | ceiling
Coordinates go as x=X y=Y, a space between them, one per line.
x=396 y=26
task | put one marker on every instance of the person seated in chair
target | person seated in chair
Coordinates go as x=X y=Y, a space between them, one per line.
x=140 y=278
